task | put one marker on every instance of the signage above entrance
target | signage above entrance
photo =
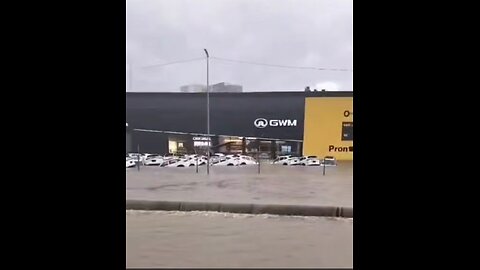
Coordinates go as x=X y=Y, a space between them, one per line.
x=263 y=123
x=200 y=138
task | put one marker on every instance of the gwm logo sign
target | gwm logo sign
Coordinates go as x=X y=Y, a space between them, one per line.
x=263 y=123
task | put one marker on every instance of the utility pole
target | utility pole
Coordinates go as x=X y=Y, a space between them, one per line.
x=208 y=115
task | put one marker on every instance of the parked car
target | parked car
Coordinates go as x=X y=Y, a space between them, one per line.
x=188 y=162
x=131 y=163
x=294 y=161
x=310 y=161
x=176 y=163
x=153 y=161
x=170 y=156
x=237 y=160
x=217 y=157
x=329 y=161
x=245 y=160
x=202 y=160
x=229 y=161
x=281 y=160
x=135 y=156
x=290 y=161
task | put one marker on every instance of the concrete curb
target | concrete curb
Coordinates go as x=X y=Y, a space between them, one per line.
x=274 y=209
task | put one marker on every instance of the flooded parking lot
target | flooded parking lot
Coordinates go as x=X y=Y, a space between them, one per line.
x=210 y=239
x=276 y=184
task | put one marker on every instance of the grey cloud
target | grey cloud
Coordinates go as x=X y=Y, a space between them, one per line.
x=295 y=33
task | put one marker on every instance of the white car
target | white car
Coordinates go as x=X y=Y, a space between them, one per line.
x=178 y=163
x=168 y=161
x=214 y=160
x=292 y=161
x=281 y=160
x=217 y=157
x=238 y=160
x=131 y=163
x=146 y=156
x=229 y=161
x=329 y=161
x=135 y=156
x=245 y=160
x=170 y=156
x=153 y=161
x=141 y=157
x=202 y=160
x=310 y=161
x=188 y=162
x=219 y=154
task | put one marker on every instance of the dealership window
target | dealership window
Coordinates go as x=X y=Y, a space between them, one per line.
x=286 y=148
x=230 y=144
x=176 y=147
x=172 y=146
x=347 y=131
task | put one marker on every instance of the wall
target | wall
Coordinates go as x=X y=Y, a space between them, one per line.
x=155 y=143
x=230 y=113
x=324 y=120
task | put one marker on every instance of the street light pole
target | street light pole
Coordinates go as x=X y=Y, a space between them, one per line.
x=208 y=116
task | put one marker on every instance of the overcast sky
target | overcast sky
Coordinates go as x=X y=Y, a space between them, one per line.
x=313 y=33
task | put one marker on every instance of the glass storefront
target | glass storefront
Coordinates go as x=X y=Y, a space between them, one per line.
x=201 y=144
x=181 y=144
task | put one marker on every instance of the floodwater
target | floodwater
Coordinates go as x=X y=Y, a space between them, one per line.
x=210 y=239
x=276 y=184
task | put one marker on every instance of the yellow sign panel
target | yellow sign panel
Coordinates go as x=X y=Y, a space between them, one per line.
x=329 y=127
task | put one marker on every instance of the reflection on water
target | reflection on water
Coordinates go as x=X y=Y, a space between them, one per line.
x=210 y=239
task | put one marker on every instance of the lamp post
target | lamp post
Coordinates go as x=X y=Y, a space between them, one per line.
x=208 y=116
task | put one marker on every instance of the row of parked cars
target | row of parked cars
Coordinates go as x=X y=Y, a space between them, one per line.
x=305 y=161
x=217 y=159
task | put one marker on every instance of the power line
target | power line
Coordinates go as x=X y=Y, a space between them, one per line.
x=248 y=63
x=175 y=62
x=279 y=66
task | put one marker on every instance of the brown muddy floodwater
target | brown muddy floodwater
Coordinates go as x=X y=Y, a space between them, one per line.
x=210 y=239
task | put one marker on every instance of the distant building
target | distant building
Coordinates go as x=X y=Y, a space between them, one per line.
x=226 y=87
x=216 y=88
x=193 y=88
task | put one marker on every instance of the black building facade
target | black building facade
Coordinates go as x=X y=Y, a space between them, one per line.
x=268 y=122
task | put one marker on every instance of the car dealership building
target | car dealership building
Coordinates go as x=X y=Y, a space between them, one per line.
x=265 y=123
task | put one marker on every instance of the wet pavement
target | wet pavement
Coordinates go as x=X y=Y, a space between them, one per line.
x=210 y=239
x=276 y=184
